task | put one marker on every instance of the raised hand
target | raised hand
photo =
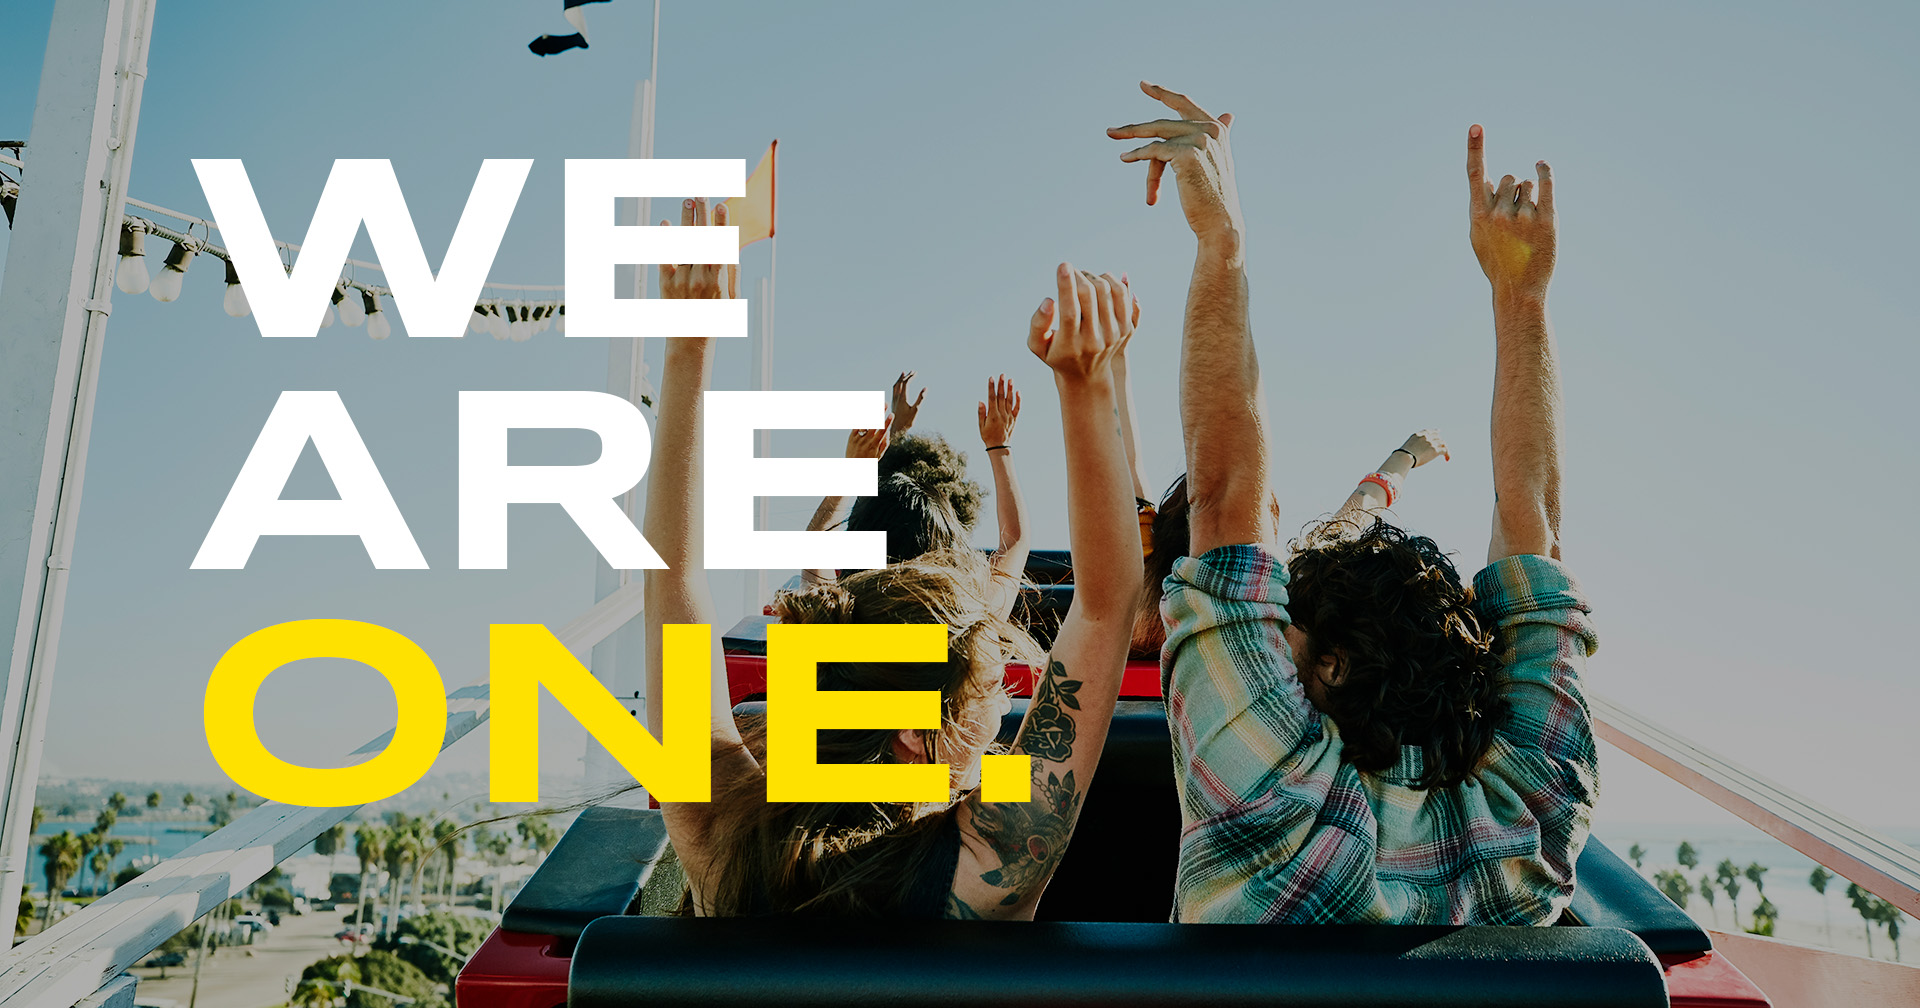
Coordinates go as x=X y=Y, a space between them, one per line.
x=1094 y=319
x=998 y=413
x=1196 y=146
x=708 y=281
x=1425 y=446
x=869 y=443
x=1512 y=234
x=905 y=411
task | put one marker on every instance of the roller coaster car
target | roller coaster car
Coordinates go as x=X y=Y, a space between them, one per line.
x=577 y=933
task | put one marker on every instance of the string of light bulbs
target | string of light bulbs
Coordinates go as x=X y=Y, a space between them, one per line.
x=355 y=302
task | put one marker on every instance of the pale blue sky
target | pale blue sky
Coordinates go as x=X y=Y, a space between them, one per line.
x=1736 y=347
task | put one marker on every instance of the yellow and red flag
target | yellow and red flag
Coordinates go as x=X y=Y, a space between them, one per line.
x=754 y=213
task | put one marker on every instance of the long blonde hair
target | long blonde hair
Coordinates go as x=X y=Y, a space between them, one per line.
x=841 y=859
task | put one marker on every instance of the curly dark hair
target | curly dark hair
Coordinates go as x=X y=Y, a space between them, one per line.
x=1419 y=667
x=925 y=502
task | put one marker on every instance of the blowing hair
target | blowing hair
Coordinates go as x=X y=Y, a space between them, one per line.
x=1419 y=669
x=924 y=503
x=862 y=859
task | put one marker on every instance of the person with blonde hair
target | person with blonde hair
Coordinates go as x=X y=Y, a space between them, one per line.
x=968 y=858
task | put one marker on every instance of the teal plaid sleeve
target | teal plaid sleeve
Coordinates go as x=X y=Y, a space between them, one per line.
x=1274 y=827
x=1543 y=768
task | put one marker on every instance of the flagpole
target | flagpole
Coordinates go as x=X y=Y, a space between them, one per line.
x=763 y=380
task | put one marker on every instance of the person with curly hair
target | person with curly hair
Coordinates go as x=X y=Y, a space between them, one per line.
x=925 y=503
x=1358 y=735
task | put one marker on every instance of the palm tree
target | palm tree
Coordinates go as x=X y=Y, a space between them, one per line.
x=1887 y=915
x=1753 y=872
x=1818 y=880
x=188 y=800
x=1862 y=901
x=1729 y=875
x=118 y=803
x=1636 y=854
x=1674 y=883
x=368 y=841
x=394 y=857
x=1764 y=917
x=62 y=854
x=87 y=842
x=1688 y=857
x=446 y=838
x=1706 y=890
x=153 y=799
x=101 y=861
x=329 y=843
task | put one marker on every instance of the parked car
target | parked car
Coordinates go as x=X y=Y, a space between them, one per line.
x=166 y=959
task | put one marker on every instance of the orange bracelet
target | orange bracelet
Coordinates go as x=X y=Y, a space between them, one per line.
x=1381 y=480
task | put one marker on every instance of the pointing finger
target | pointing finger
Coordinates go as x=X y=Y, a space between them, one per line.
x=1476 y=165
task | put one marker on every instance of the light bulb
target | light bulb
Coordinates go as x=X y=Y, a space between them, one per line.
x=352 y=312
x=326 y=321
x=560 y=319
x=477 y=322
x=377 y=325
x=542 y=319
x=522 y=322
x=236 y=299
x=131 y=274
x=496 y=326
x=173 y=273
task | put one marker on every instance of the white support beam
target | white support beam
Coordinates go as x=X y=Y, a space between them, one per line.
x=55 y=299
x=1878 y=863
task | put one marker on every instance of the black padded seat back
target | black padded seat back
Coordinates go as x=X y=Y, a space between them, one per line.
x=596 y=870
x=1120 y=865
x=1610 y=893
x=623 y=962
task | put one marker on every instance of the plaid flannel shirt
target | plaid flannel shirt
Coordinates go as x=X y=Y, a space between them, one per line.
x=1277 y=828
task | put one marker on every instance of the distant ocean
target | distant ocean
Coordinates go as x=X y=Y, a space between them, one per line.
x=152 y=839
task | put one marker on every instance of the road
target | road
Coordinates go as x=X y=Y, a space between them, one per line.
x=233 y=978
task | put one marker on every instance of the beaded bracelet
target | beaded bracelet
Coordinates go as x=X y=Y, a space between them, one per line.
x=1384 y=482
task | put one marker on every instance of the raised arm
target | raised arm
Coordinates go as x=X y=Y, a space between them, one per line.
x=1420 y=448
x=679 y=593
x=1123 y=391
x=1513 y=237
x=997 y=416
x=833 y=509
x=1009 y=849
x=1221 y=404
x=905 y=410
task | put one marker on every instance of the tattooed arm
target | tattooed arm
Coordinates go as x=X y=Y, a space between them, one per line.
x=1009 y=850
